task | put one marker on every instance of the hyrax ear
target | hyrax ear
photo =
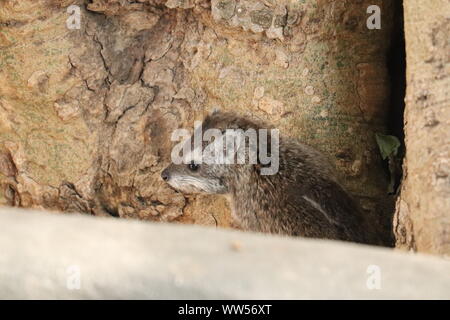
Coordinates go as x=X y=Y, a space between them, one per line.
x=213 y=113
x=209 y=122
x=215 y=110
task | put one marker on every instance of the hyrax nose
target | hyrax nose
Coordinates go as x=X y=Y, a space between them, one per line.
x=165 y=175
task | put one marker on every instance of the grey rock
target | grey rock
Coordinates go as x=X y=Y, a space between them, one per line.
x=46 y=256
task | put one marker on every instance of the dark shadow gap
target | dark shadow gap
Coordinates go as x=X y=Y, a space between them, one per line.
x=396 y=63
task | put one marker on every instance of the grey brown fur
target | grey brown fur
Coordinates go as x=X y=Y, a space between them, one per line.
x=302 y=199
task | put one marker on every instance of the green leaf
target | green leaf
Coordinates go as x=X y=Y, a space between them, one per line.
x=388 y=145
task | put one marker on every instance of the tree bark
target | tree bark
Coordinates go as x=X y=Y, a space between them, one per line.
x=87 y=115
x=422 y=220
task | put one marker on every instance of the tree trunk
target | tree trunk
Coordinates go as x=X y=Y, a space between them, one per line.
x=86 y=115
x=422 y=220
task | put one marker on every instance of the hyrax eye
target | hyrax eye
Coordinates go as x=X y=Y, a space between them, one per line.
x=193 y=166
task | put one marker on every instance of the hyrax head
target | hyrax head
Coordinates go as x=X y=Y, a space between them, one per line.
x=222 y=148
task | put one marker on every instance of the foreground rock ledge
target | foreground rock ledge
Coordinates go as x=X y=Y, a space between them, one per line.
x=42 y=255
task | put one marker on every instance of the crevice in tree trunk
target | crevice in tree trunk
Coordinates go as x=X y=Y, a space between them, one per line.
x=397 y=73
x=396 y=64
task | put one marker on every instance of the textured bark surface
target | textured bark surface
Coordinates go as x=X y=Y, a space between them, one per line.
x=88 y=114
x=422 y=220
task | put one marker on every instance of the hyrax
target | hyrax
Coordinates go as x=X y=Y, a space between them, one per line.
x=300 y=197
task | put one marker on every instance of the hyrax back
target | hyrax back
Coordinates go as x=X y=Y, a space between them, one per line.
x=303 y=197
